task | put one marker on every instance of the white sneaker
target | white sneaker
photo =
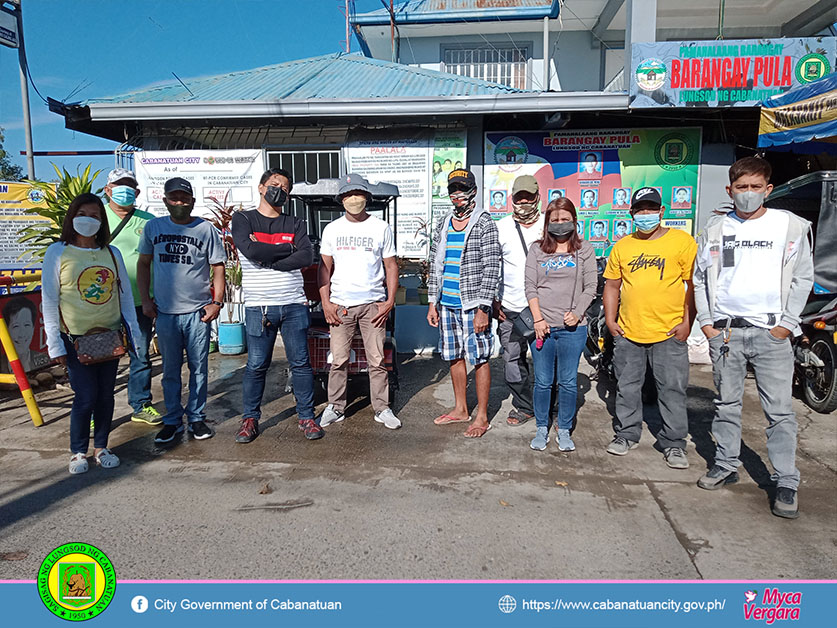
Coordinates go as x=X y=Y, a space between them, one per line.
x=330 y=415
x=388 y=419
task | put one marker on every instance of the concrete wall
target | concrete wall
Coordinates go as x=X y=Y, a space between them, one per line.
x=714 y=177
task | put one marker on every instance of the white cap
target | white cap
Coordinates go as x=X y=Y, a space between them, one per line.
x=121 y=173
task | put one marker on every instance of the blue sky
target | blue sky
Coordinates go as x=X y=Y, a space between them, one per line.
x=113 y=46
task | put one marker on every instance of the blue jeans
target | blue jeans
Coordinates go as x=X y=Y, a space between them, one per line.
x=292 y=322
x=176 y=332
x=93 y=386
x=139 y=377
x=559 y=354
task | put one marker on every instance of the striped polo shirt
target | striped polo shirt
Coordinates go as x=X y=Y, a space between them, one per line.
x=450 y=275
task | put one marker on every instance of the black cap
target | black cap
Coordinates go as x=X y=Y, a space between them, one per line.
x=178 y=184
x=646 y=195
x=463 y=177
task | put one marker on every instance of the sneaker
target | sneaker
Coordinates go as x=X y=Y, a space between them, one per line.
x=619 y=446
x=785 y=504
x=92 y=426
x=148 y=415
x=78 y=463
x=565 y=443
x=200 y=430
x=541 y=438
x=676 y=458
x=330 y=415
x=106 y=459
x=388 y=419
x=248 y=431
x=311 y=429
x=717 y=477
x=167 y=434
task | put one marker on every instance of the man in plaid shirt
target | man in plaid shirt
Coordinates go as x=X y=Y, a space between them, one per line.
x=465 y=273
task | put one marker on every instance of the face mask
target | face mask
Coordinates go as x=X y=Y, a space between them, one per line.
x=179 y=212
x=86 y=226
x=123 y=195
x=561 y=230
x=463 y=203
x=275 y=196
x=526 y=212
x=748 y=202
x=354 y=204
x=646 y=222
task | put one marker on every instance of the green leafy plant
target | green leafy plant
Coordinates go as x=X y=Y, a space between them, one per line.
x=57 y=197
x=222 y=212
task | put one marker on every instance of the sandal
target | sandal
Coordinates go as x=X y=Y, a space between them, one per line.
x=78 y=463
x=516 y=417
x=445 y=419
x=106 y=459
x=477 y=431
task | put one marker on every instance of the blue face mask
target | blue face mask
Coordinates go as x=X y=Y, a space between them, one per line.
x=646 y=222
x=123 y=195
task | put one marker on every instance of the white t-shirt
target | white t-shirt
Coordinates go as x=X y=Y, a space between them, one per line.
x=358 y=249
x=514 y=260
x=750 y=281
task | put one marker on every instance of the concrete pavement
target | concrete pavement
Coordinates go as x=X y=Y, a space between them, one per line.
x=421 y=502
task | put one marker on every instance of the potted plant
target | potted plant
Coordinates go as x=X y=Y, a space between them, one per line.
x=401 y=291
x=424 y=235
x=232 y=337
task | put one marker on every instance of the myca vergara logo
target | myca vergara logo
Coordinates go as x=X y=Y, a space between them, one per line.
x=773 y=605
x=76 y=581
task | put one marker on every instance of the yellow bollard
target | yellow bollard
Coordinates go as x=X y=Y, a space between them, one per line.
x=19 y=375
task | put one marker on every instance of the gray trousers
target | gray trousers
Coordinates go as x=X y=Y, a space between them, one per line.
x=516 y=364
x=772 y=361
x=669 y=360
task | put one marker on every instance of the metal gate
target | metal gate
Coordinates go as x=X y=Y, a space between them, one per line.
x=308 y=166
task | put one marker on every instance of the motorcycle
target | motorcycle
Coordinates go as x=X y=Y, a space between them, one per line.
x=598 y=349
x=815 y=354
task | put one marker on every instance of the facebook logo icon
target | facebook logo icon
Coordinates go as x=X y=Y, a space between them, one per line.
x=139 y=604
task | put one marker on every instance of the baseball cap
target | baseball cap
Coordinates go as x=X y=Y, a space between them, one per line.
x=646 y=195
x=525 y=183
x=352 y=183
x=121 y=173
x=463 y=177
x=178 y=184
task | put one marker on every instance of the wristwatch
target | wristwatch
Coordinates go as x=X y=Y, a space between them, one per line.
x=218 y=303
x=485 y=309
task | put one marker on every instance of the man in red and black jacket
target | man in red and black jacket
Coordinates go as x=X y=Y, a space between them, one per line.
x=272 y=248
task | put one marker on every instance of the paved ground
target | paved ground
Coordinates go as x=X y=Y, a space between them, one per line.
x=420 y=502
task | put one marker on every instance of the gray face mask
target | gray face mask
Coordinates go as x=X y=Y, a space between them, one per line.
x=748 y=202
x=561 y=230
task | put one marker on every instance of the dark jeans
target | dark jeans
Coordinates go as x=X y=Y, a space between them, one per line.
x=559 y=356
x=93 y=386
x=292 y=322
x=669 y=360
x=177 y=333
x=139 y=377
x=516 y=364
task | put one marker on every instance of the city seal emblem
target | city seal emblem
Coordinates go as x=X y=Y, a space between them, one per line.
x=76 y=581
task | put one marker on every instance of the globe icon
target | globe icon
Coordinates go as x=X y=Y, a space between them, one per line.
x=507 y=604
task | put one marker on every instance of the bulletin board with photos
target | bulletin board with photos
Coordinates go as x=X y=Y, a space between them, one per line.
x=598 y=170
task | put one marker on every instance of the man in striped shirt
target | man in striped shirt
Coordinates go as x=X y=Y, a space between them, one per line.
x=272 y=248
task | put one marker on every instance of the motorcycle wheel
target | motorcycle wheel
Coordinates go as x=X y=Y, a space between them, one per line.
x=821 y=390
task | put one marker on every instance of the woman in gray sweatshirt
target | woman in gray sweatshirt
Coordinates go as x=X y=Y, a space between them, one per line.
x=560 y=284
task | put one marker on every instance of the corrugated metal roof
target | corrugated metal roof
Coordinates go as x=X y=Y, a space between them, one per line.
x=424 y=11
x=335 y=76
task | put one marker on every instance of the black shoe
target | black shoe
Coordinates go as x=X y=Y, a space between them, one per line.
x=785 y=505
x=200 y=430
x=717 y=477
x=167 y=434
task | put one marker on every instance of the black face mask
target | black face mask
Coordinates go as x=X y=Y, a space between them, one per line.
x=561 y=230
x=275 y=196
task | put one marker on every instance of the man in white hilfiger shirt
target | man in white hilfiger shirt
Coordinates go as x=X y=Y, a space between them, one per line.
x=358 y=278
x=753 y=274
x=517 y=232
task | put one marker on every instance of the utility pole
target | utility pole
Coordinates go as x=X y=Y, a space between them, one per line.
x=17 y=13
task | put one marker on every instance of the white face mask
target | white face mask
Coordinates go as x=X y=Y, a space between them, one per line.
x=86 y=225
x=354 y=204
x=748 y=202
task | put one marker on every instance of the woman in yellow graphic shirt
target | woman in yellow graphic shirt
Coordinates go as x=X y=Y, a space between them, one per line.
x=82 y=291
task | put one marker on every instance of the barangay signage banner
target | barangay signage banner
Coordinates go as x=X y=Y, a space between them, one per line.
x=598 y=170
x=725 y=73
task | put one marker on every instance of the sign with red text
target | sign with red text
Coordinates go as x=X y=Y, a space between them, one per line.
x=725 y=73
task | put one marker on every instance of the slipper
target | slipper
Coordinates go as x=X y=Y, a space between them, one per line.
x=447 y=418
x=477 y=431
x=520 y=418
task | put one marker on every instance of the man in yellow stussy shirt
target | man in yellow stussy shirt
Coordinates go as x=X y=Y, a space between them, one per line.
x=650 y=271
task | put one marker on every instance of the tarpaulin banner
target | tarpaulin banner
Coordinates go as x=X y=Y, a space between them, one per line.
x=801 y=115
x=15 y=199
